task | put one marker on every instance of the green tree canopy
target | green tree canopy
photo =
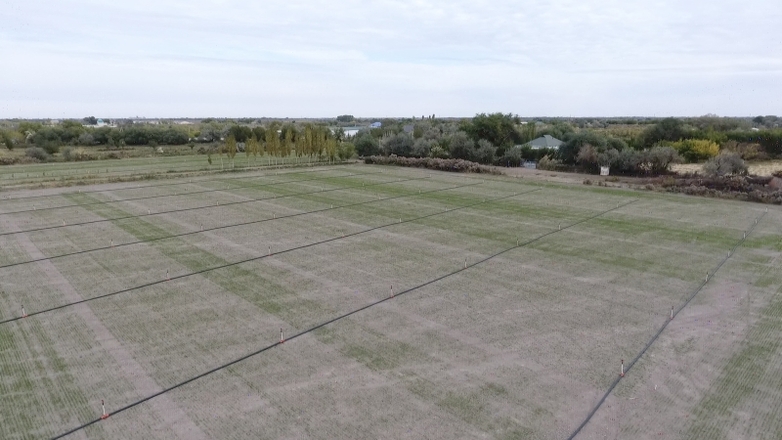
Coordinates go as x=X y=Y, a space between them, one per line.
x=497 y=128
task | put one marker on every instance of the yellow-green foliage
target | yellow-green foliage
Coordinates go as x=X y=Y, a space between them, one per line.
x=695 y=150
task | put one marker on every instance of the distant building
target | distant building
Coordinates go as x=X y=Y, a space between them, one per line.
x=376 y=125
x=545 y=141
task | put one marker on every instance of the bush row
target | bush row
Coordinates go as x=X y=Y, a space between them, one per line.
x=453 y=165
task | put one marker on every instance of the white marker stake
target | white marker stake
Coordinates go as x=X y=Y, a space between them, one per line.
x=149 y=211
x=111 y=243
x=24 y=314
x=465 y=263
x=270 y=250
x=202 y=226
x=707 y=276
x=622 y=369
x=103 y=408
x=517 y=242
x=560 y=226
x=392 y=291
x=282 y=338
x=671 y=313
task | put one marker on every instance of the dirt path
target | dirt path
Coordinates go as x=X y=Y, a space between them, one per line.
x=173 y=416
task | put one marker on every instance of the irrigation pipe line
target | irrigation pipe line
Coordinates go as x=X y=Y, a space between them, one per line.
x=345 y=315
x=285 y=251
x=240 y=202
x=665 y=324
x=216 y=228
x=131 y=172
x=77 y=205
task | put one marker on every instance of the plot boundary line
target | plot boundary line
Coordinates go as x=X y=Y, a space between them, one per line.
x=160 y=196
x=665 y=324
x=238 y=202
x=181 y=173
x=353 y=312
x=261 y=257
x=215 y=228
x=162 y=185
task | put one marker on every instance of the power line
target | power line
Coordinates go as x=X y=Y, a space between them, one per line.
x=659 y=332
x=343 y=316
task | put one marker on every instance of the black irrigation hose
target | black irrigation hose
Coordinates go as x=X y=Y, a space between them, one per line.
x=131 y=199
x=240 y=202
x=659 y=332
x=41 y=196
x=343 y=316
x=252 y=222
x=247 y=260
x=129 y=173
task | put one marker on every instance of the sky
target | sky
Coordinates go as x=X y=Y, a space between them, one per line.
x=222 y=58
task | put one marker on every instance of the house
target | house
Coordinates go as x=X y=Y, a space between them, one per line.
x=545 y=141
x=375 y=125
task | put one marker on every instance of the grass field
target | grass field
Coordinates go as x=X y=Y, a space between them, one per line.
x=514 y=302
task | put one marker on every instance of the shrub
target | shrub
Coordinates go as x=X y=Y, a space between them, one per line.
x=453 y=165
x=37 y=153
x=66 y=154
x=346 y=151
x=547 y=163
x=695 y=150
x=725 y=164
x=747 y=150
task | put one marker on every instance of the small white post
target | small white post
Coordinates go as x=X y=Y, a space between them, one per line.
x=392 y=291
x=282 y=337
x=671 y=313
x=103 y=409
x=111 y=243
x=560 y=226
x=465 y=263
x=745 y=235
x=63 y=222
x=149 y=211
x=168 y=278
x=270 y=250
x=35 y=210
x=24 y=314
x=622 y=369
x=202 y=226
x=707 y=276
x=517 y=241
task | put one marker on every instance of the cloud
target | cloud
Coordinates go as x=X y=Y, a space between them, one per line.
x=316 y=58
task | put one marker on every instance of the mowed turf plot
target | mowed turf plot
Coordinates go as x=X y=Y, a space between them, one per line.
x=502 y=309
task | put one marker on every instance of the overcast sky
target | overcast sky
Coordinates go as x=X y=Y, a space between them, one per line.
x=198 y=58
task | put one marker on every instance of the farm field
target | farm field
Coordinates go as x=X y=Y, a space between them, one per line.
x=514 y=302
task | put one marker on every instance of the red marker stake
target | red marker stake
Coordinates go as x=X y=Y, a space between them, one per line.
x=103 y=407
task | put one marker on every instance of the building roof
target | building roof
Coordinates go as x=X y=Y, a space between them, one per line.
x=545 y=141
